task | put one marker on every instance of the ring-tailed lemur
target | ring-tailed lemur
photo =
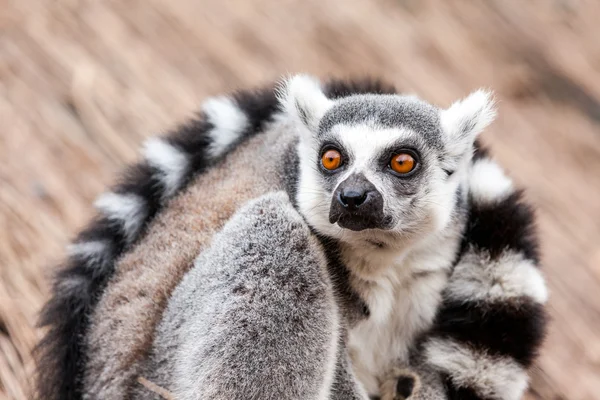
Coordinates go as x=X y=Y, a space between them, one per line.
x=493 y=285
x=390 y=179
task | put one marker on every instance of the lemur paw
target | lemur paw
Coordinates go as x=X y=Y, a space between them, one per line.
x=400 y=384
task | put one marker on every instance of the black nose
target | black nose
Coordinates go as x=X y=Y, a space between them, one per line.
x=352 y=198
x=357 y=204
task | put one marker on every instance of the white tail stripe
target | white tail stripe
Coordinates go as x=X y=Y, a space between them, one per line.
x=228 y=121
x=74 y=284
x=96 y=252
x=170 y=161
x=476 y=278
x=127 y=209
x=498 y=378
x=488 y=183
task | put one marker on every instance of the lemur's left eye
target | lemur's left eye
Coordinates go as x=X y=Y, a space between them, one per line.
x=331 y=159
x=402 y=163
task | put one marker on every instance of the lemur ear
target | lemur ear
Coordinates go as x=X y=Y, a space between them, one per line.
x=304 y=100
x=466 y=119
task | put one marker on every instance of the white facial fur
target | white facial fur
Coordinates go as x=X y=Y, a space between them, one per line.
x=368 y=126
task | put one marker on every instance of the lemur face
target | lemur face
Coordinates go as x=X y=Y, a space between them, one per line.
x=380 y=168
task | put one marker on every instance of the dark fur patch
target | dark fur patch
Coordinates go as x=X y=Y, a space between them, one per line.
x=103 y=229
x=76 y=289
x=454 y=392
x=352 y=304
x=504 y=225
x=259 y=105
x=480 y=151
x=290 y=173
x=405 y=386
x=513 y=328
x=143 y=180
x=193 y=140
x=337 y=88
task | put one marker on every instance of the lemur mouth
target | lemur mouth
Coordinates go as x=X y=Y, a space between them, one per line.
x=358 y=223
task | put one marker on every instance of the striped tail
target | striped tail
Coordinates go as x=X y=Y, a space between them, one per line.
x=492 y=321
x=123 y=214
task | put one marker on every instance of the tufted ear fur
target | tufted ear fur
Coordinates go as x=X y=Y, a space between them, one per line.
x=303 y=99
x=464 y=120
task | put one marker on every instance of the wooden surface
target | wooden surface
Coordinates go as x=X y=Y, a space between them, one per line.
x=82 y=82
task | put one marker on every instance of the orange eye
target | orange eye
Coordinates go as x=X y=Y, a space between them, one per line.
x=332 y=159
x=402 y=163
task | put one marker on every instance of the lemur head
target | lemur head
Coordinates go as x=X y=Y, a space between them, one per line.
x=381 y=168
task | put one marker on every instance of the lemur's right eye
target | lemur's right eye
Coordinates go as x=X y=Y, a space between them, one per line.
x=402 y=163
x=331 y=159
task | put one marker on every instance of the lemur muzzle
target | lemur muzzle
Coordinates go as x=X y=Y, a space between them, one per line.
x=357 y=205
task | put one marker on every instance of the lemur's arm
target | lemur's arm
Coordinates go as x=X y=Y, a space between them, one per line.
x=492 y=320
x=255 y=318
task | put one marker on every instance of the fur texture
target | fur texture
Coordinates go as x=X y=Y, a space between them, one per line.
x=400 y=241
x=399 y=261
x=492 y=320
x=170 y=164
x=122 y=325
x=467 y=258
x=123 y=216
x=255 y=318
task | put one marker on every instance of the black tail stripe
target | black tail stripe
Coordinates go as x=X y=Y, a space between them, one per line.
x=259 y=105
x=454 y=392
x=192 y=139
x=143 y=180
x=505 y=225
x=510 y=327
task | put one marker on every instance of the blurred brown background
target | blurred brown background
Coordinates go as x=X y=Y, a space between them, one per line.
x=83 y=82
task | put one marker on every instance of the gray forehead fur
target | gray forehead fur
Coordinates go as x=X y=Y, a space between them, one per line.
x=389 y=111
